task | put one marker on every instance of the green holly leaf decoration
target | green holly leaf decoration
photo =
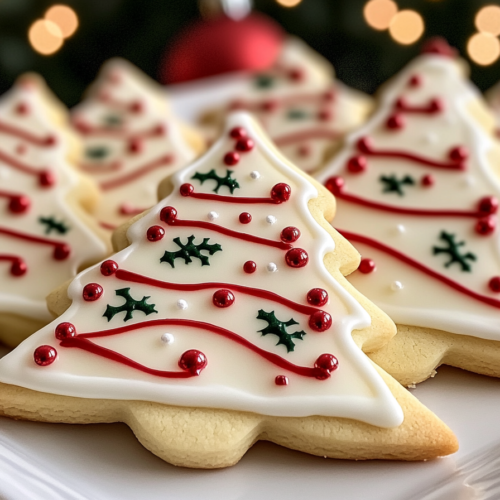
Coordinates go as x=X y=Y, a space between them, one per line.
x=227 y=181
x=190 y=249
x=297 y=114
x=278 y=328
x=394 y=185
x=452 y=249
x=112 y=120
x=264 y=81
x=51 y=224
x=96 y=152
x=130 y=306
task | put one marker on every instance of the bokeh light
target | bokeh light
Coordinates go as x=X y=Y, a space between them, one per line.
x=289 y=3
x=65 y=17
x=379 y=13
x=45 y=37
x=483 y=48
x=488 y=20
x=406 y=27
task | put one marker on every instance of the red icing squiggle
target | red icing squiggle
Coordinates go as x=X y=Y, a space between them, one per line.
x=118 y=132
x=353 y=237
x=107 y=225
x=126 y=209
x=18 y=165
x=434 y=105
x=193 y=287
x=47 y=141
x=231 y=199
x=304 y=135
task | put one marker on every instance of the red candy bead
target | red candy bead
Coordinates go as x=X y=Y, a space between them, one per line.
x=290 y=234
x=325 y=115
x=249 y=266
x=44 y=355
x=401 y=103
x=46 y=178
x=440 y=46
x=296 y=74
x=415 y=81
x=366 y=266
x=428 y=180
x=238 y=133
x=245 y=218
x=19 y=204
x=22 y=108
x=329 y=95
x=437 y=105
x=357 y=164
x=335 y=184
x=137 y=107
x=304 y=150
x=269 y=105
x=61 y=252
x=109 y=267
x=223 y=298
x=395 y=122
x=155 y=233
x=364 y=145
x=485 y=226
x=281 y=192
x=65 y=331
x=244 y=145
x=320 y=321
x=92 y=292
x=494 y=284
x=488 y=205
x=193 y=361
x=281 y=380
x=160 y=130
x=296 y=257
x=458 y=154
x=231 y=158
x=50 y=140
x=317 y=297
x=325 y=365
x=135 y=145
x=187 y=189
x=18 y=267
x=168 y=214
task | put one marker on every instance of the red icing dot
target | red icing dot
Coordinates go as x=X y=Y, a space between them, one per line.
x=92 y=291
x=21 y=149
x=46 y=178
x=193 y=361
x=155 y=233
x=494 y=284
x=459 y=153
x=320 y=321
x=317 y=297
x=22 y=108
x=137 y=107
x=50 y=140
x=135 y=145
x=160 y=129
x=223 y=298
x=281 y=380
x=18 y=268
x=65 y=331
x=290 y=234
x=281 y=192
x=304 y=150
x=237 y=104
x=357 y=164
x=61 y=252
x=401 y=103
x=231 y=158
x=238 y=133
x=395 y=122
x=249 y=266
x=44 y=355
x=296 y=257
x=244 y=145
x=168 y=214
x=364 y=144
x=415 y=81
x=428 y=180
x=109 y=267
x=269 y=105
x=488 y=205
x=335 y=184
x=19 y=204
x=245 y=218
x=325 y=115
x=296 y=74
x=187 y=189
x=437 y=105
x=485 y=226
x=325 y=365
x=366 y=266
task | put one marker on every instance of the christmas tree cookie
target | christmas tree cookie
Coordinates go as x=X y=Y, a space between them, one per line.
x=131 y=141
x=417 y=191
x=299 y=104
x=225 y=319
x=46 y=236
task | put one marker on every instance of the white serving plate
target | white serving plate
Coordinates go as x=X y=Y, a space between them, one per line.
x=105 y=462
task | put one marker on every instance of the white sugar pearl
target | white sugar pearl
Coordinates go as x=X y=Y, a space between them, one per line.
x=167 y=338
x=213 y=215
x=396 y=285
x=400 y=228
x=182 y=304
x=272 y=267
x=255 y=174
x=271 y=219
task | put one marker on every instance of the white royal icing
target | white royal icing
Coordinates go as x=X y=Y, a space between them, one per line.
x=235 y=377
x=422 y=300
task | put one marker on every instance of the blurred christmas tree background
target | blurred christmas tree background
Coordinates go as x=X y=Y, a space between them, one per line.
x=140 y=30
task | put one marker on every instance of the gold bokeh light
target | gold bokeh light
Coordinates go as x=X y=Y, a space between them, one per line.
x=65 y=17
x=289 y=3
x=379 y=13
x=45 y=37
x=483 y=48
x=406 y=27
x=488 y=20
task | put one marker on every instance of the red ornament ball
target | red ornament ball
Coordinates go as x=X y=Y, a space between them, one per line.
x=109 y=267
x=19 y=204
x=395 y=122
x=168 y=214
x=357 y=164
x=223 y=298
x=187 y=189
x=155 y=233
x=296 y=257
x=335 y=184
x=244 y=145
x=46 y=178
x=317 y=297
x=237 y=133
x=92 y=292
x=231 y=158
x=486 y=225
x=290 y=234
x=61 y=252
x=281 y=192
x=494 y=284
x=44 y=355
x=281 y=380
x=325 y=365
x=367 y=266
x=320 y=321
x=193 y=361
x=245 y=218
x=65 y=331
x=488 y=205
x=249 y=266
x=18 y=267
x=428 y=180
